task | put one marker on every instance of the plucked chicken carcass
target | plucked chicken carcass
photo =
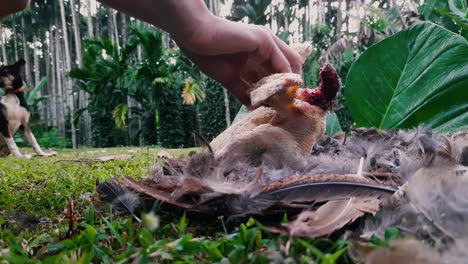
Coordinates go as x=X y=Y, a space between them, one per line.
x=283 y=132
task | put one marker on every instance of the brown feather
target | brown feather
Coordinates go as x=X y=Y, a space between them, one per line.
x=331 y=216
x=152 y=192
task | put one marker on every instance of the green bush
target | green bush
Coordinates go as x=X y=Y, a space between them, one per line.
x=52 y=139
x=46 y=138
x=212 y=112
x=170 y=118
x=102 y=129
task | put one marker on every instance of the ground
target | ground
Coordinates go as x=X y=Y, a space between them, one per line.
x=34 y=201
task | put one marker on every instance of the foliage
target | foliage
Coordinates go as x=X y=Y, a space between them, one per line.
x=120 y=115
x=333 y=124
x=417 y=76
x=212 y=113
x=33 y=223
x=171 y=119
x=192 y=92
x=51 y=138
x=389 y=235
x=431 y=12
x=254 y=10
x=149 y=79
x=103 y=131
x=32 y=97
x=101 y=76
x=46 y=138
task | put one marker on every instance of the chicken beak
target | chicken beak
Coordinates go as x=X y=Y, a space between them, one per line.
x=292 y=91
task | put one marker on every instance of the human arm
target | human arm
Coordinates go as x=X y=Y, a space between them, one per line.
x=8 y=7
x=235 y=54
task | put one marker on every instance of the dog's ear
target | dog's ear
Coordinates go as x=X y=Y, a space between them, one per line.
x=19 y=65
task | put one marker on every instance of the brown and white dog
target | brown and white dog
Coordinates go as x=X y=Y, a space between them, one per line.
x=14 y=112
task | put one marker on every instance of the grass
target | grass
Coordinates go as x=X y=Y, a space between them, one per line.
x=34 y=200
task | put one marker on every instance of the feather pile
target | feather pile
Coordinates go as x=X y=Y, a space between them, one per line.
x=428 y=171
x=276 y=160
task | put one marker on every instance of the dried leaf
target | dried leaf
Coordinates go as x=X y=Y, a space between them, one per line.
x=114 y=157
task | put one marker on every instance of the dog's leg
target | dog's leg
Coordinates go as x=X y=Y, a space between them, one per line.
x=33 y=142
x=5 y=133
x=10 y=142
x=14 y=149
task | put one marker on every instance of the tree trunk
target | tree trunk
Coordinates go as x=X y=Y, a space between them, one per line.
x=37 y=72
x=76 y=33
x=339 y=21
x=89 y=19
x=138 y=105
x=59 y=86
x=110 y=26
x=14 y=36
x=3 y=43
x=53 y=82
x=82 y=101
x=50 y=83
x=68 y=68
x=27 y=67
x=86 y=118
x=2 y=55
x=306 y=23
x=319 y=12
x=116 y=31
x=123 y=20
x=98 y=32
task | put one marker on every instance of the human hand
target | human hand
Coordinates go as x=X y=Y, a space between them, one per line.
x=10 y=7
x=237 y=55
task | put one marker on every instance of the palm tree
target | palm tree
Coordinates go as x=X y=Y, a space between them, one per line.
x=102 y=77
x=254 y=10
x=149 y=78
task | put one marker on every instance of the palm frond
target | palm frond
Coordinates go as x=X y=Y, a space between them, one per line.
x=192 y=92
x=336 y=49
x=78 y=113
x=120 y=115
x=32 y=96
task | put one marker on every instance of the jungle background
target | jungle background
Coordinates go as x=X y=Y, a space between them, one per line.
x=98 y=78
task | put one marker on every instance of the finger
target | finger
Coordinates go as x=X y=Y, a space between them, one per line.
x=269 y=51
x=225 y=70
x=291 y=55
x=252 y=72
x=239 y=90
x=279 y=61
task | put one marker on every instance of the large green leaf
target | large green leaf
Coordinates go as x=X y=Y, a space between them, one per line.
x=333 y=124
x=430 y=12
x=417 y=76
